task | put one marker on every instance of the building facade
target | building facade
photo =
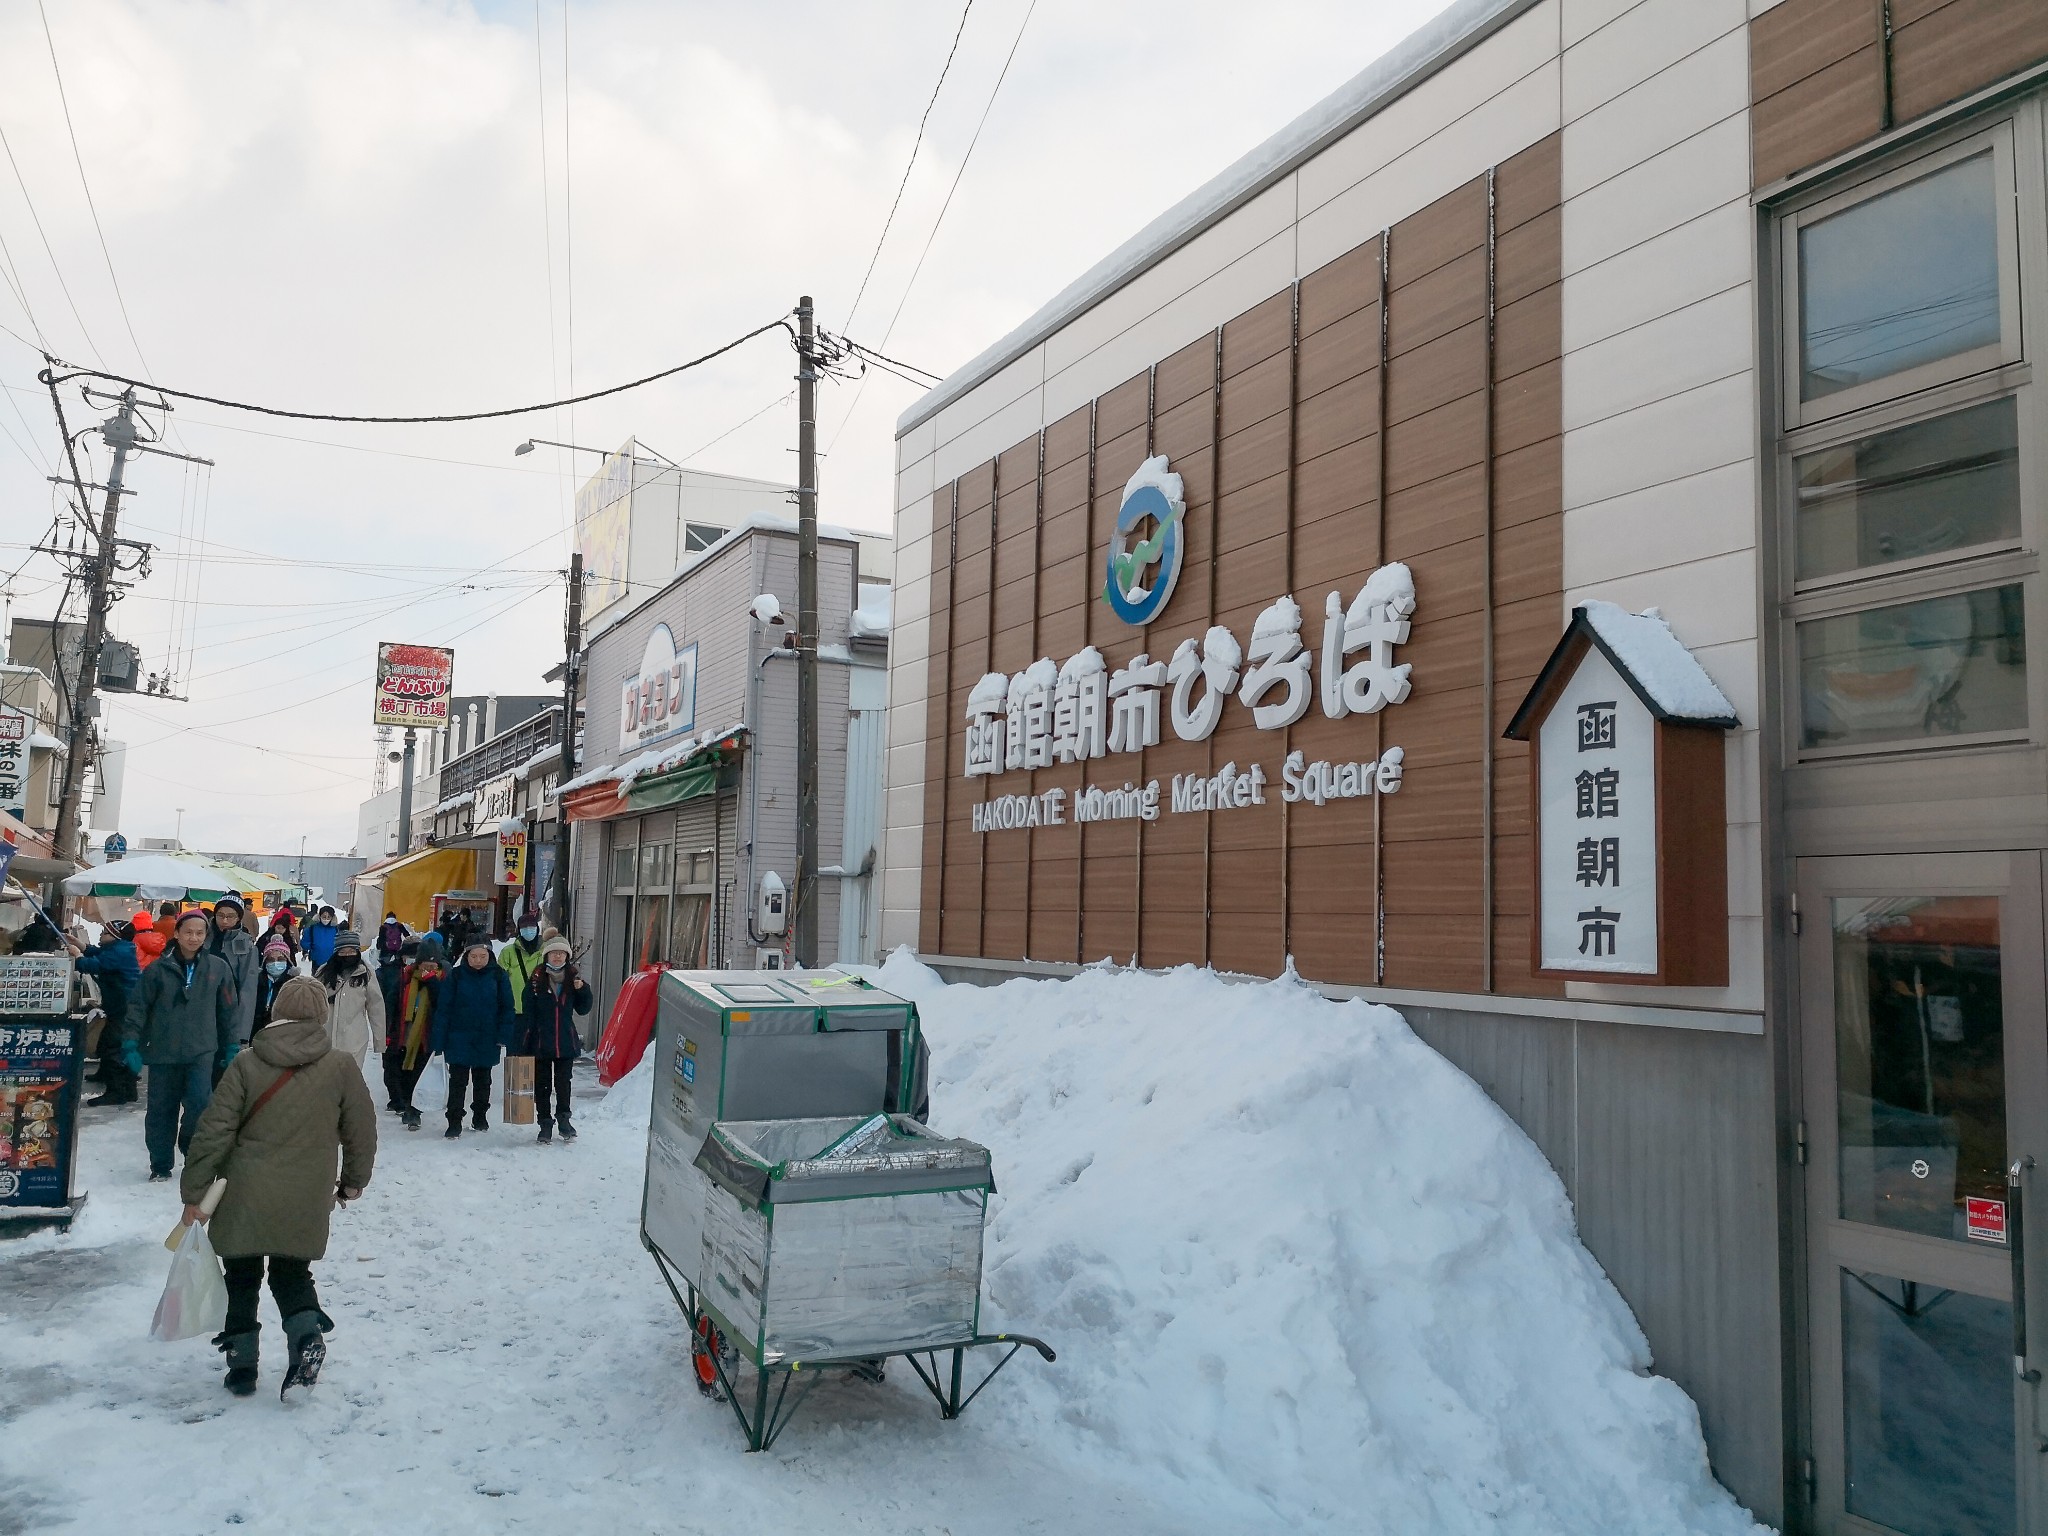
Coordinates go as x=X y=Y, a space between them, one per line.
x=685 y=802
x=1657 y=368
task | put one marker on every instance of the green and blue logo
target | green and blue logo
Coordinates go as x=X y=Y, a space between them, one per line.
x=1146 y=549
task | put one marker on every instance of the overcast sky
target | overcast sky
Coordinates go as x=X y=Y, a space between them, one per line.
x=343 y=208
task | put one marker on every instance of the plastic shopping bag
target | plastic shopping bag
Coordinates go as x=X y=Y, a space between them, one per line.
x=195 y=1298
x=431 y=1091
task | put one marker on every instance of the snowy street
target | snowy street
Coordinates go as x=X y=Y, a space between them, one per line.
x=1258 y=1328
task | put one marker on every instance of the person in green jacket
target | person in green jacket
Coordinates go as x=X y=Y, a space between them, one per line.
x=519 y=960
x=180 y=1024
x=282 y=1111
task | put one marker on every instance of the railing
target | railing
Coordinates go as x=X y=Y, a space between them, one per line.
x=502 y=753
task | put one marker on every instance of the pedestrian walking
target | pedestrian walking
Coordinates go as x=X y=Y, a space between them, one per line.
x=520 y=959
x=554 y=996
x=238 y=952
x=284 y=927
x=180 y=1023
x=395 y=947
x=355 y=1003
x=270 y=977
x=282 y=1112
x=112 y=963
x=317 y=943
x=472 y=1024
x=409 y=1030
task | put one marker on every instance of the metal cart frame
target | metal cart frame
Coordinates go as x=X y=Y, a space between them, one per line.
x=771 y=1415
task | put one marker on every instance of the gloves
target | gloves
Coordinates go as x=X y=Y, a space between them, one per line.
x=131 y=1057
x=229 y=1052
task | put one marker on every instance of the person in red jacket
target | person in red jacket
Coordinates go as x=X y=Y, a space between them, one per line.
x=150 y=939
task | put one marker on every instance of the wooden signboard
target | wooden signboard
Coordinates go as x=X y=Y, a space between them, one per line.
x=1627 y=782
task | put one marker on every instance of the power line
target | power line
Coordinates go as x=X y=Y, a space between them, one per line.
x=909 y=164
x=568 y=226
x=78 y=159
x=988 y=107
x=48 y=377
x=90 y=345
x=728 y=432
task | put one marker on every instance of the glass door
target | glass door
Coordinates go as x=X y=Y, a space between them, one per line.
x=1925 y=1067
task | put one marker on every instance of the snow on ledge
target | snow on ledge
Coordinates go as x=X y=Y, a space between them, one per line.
x=1658 y=661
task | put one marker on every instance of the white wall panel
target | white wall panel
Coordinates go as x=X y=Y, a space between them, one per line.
x=1694 y=93
x=914 y=484
x=1015 y=381
x=1659 y=443
x=1637 y=44
x=1673 y=188
x=1445 y=99
x=1675 y=352
x=1500 y=127
x=1666 y=525
x=1709 y=255
x=1706 y=602
x=1582 y=18
x=912 y=597
x=986 y=438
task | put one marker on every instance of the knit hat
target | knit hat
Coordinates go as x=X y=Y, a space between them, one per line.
x=347 y=939
x=431 y=946
x=558 y=943
x=278 y=949
x=231 y=901
x=192 y=915
x=300 y=998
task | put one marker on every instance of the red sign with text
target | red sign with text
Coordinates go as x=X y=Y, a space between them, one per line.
x=1984 y=1219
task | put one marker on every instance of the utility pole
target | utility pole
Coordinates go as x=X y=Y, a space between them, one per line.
x=806 y=635
x=121 y=436
x=572 y=668
x=405 y=796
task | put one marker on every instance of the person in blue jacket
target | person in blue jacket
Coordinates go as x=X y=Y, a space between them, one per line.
x=473 y=1022
x=320 y=937
x=113 y=962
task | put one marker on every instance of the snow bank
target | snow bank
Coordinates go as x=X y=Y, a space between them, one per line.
x=1294 y=1259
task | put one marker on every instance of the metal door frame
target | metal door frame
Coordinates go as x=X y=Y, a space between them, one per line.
x=1832 y=1243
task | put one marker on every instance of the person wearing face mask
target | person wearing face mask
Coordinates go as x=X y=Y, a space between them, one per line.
x=320 y=939
x=555 y=994
x=355 y=1003
x=272 y=974
x=519 y=960
x=227 y=940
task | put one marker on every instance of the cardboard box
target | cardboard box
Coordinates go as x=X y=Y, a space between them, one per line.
x=518 y=1090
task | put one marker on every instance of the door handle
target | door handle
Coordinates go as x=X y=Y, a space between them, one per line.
x=2016 y=1241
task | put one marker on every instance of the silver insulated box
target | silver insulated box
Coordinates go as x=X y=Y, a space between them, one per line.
x=841 y=1238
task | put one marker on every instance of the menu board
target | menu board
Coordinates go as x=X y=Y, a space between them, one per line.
x=42 y=1055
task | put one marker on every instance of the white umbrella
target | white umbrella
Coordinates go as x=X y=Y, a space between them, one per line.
x=151 y=877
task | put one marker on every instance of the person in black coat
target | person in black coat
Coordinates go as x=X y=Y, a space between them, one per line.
x=555 y=994
x=473 y=1021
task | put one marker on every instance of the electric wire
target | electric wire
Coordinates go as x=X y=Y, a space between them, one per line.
x=21 y=182
x=908 y=165
x=782 y=399
x=48 y=375
x=568 y=227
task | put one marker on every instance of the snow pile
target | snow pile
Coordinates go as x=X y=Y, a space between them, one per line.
x=1294 y=1259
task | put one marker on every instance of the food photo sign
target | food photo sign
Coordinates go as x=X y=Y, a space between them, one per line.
x=42 y=1053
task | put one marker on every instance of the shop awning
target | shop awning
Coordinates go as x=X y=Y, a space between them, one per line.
x=407 y=885
x=663 y=777
x=152 y=877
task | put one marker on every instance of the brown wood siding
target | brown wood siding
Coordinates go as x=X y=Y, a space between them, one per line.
x=1274 y=425
x=1818 y=79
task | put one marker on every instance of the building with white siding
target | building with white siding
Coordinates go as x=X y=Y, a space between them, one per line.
x=1256 y=599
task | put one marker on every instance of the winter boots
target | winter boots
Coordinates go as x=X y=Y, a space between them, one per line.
x=302 y=1331
x=547 y=1132
x=568 y=1131
x=477 y=1122
x=412 y=1119
x=240 y=1349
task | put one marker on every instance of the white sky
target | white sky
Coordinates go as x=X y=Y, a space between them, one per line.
x=340 y=208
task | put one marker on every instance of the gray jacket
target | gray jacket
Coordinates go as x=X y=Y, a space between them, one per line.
x=176 y=1022
x=238 y=950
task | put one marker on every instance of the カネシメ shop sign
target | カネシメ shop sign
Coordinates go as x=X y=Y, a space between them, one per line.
x=1083 y=709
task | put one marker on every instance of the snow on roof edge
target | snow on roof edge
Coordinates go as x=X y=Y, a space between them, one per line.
x=1658 y=662
x=1437 y=43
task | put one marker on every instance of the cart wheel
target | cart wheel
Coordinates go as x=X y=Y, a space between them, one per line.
x=702 y=1343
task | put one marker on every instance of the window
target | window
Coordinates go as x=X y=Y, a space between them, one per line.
x=1908 y=451
x=1935 y=487
x=623 y=864
x=1905 y=278
x=1953 y=665
x=698 y=536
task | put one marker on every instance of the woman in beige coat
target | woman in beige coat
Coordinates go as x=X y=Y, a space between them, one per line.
x=283 y=1110
x=355 y=1003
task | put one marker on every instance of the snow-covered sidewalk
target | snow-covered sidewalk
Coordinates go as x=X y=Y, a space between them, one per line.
x=1301 y=1273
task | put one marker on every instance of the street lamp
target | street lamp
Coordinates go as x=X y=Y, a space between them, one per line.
x=547 y=442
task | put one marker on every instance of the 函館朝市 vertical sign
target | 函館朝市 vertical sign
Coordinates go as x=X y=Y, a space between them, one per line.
x=1631 y=872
